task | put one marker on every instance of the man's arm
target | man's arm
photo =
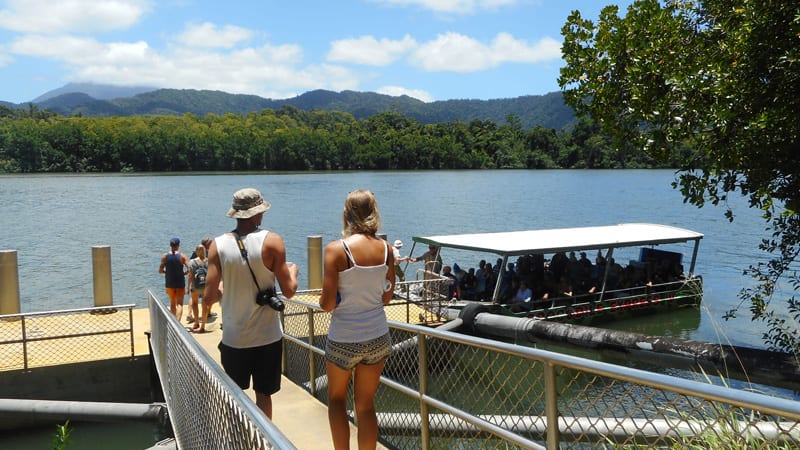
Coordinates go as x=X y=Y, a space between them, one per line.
x=213 y=277
x=163 y=265
x=273 y=255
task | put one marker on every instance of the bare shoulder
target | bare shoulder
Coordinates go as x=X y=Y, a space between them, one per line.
x=273 y=240
x=334 y=245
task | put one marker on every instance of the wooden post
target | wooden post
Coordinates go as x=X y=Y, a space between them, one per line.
x=9 y=282
x=101 y=271
x=315 y=262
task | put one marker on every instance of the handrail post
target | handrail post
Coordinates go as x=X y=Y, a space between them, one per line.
x=130 y=325
x=425 y=434
x=312 y=370
x=24 y=343
x=551 y=405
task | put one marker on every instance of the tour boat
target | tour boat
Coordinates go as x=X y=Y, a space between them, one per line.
x=638 y=268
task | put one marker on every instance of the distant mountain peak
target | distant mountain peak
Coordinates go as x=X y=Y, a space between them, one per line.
x=96 y=91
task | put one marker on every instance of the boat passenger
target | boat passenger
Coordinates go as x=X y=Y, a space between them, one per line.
x=467 y=291
x=480 y=281
x=452 y=283
x=431 y=258
x=522 y=298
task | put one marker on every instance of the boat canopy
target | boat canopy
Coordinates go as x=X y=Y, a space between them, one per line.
x=516 y=243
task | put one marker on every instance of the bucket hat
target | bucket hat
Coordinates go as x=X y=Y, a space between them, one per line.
x=398 y=243
x=247 y=203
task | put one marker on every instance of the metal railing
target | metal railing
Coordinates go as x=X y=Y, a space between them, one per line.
x=206 y=408
x=447 y=390
x=40 y=339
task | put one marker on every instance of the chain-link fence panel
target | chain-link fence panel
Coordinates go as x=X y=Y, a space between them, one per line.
x=51 y=338
x=447 y=390
x=207 y=409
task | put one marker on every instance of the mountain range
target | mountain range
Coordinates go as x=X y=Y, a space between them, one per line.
x=95 y=100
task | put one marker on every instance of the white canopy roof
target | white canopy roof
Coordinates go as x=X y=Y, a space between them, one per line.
x=514 y=243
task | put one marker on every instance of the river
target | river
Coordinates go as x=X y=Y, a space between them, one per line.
x=53 y=221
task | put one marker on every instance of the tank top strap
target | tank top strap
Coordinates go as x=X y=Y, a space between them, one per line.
x=350 y=259
x=386 y=253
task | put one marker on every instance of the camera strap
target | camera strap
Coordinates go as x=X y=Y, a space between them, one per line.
x=244 y=255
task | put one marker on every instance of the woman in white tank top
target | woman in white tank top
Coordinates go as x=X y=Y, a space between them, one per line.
x=358 y=283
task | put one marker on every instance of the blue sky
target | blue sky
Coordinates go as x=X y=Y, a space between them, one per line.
x=428 y=49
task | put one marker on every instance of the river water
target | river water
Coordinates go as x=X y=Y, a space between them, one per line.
x=53 y=221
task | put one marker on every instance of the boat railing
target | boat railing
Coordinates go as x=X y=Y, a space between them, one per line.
x=446 y=390
x=686 y=289
x=39 y=339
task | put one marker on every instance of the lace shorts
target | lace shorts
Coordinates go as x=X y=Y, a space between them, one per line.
x=347 y=355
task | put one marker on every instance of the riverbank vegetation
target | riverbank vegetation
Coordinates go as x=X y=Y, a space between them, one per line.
x=724 y=77
x=291 y=139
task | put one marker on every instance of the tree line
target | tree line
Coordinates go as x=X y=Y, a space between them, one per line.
x=291 y=139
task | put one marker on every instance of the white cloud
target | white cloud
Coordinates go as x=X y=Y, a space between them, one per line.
x=369 y=51
x=66 y=48
x=454 y=52
x=397 y=91
x=80 y=16
x=208 y=35
x=453 y=6
x=509 y=49
x=270 y=71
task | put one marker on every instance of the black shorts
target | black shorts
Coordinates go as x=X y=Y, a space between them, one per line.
x=263 y=364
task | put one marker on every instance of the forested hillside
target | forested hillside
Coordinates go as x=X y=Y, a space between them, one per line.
x=548 y=111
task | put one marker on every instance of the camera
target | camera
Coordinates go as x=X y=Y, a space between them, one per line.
x=270 y=298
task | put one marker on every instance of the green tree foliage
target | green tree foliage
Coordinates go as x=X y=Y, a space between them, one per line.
x=713 y=85
x=294 y=139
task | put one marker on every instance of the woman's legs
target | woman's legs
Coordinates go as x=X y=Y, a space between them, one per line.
x=365 y=384
x=193 y=305
x=338 y=382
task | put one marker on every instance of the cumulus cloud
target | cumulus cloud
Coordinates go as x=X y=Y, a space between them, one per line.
x=370 y=51
x=208 y=35
x=83 y=16
x=455 y=52
x=267 y=70
x=453 y=6
x=396 y=91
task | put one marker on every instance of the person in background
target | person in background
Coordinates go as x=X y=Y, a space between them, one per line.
x=198 y=270
x=358 y=282
x=398 y=244
x=174 y=266
x=431 y=258
x=452 y=282
x=206 y=243
x=250 y=260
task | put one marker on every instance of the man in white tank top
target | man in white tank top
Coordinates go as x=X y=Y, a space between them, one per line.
x=249 y=260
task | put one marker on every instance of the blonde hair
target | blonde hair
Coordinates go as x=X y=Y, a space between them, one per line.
x=200 y=250
x=360 y=213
